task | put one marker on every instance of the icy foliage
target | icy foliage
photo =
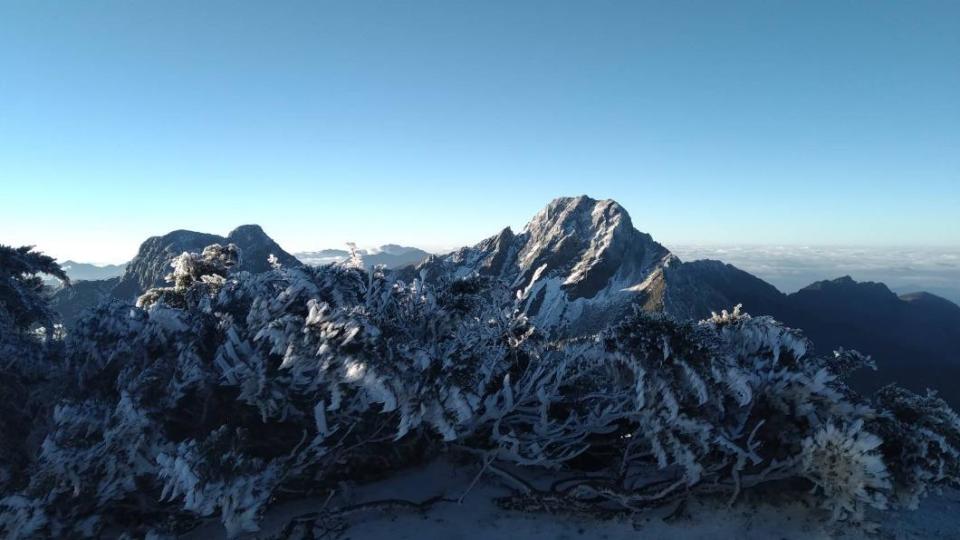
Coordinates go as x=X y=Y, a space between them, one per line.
x=22 y=304
x=209 y=268
x=30 y=350
x=847 y=467
x=216 y=475
x=225 y=392
x=921 y=442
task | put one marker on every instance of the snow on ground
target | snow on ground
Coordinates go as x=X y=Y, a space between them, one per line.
x=479 y=518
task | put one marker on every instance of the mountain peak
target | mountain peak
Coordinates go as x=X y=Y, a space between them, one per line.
x=579 y=262
x=257 y=247
x=579 y=215
x=848 y=285
x=587 y=240
x=248 y=232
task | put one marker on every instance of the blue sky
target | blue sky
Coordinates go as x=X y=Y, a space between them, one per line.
x=437 y=123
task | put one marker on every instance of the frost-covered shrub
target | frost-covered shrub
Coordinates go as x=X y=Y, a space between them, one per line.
x=847 y=468
x=226 y=391
x=22 y=517
x=217 y=475
x=199 y=274
x=214 y=392
x=921 y=437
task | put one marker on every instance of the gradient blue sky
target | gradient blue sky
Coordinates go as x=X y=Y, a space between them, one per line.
x=437 y=123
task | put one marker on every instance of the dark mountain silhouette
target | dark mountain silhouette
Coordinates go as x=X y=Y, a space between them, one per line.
x=915 y=338
x=152 y=262
x=71 y=302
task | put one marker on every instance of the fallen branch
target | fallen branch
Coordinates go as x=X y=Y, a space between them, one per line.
x=333 y=521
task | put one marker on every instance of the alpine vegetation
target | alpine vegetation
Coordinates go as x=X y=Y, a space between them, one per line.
x=227 y=391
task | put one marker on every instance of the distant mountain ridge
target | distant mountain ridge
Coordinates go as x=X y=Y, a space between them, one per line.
x=389 y=255
x=915 y=338
x=904 y=269
x=78 y=271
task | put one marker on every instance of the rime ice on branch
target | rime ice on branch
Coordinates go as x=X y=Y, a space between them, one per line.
x=225 y=391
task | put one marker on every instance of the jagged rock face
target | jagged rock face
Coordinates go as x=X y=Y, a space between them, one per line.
x=578 y=265
x=152 y=262
x=588 y=243
x=256 y=248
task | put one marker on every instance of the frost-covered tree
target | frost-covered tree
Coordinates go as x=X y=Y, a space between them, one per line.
x=224 y=392
x=26 y=350
x=22 y=302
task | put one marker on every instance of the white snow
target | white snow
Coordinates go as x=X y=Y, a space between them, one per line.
x=479 y=518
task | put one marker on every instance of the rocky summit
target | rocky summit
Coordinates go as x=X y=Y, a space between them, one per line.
x=577 y=265
x=152 y=262
x=580 y=264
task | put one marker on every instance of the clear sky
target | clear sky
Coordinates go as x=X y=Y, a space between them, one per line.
x=437 y=123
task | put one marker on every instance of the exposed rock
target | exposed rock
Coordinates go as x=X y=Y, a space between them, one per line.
x=152 y=264
x=579 y=264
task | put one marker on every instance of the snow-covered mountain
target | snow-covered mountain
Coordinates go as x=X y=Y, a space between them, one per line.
x=580 y=264
x=389 y=255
